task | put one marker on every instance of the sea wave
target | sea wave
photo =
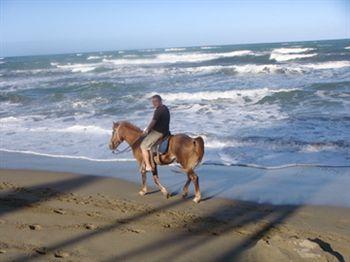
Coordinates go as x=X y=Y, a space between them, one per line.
x=183 y=57
x=294 y=68
x=214 y=95
x=174 y=49
x=90 y=129
x=211 y=163
x=286 y=54
x=9 y=119
x=347 y=47
x=328 y=65
x=67 y=156
x=291 y=50
x=246 y=69
x=208 y=47
x=76 y=67
x=92 y=57
x=286 y=57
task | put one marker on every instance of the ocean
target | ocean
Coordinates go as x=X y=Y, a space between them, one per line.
x=262 y=105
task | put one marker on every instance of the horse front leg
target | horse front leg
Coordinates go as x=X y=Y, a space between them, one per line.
x=143 y=190
x=157 y=182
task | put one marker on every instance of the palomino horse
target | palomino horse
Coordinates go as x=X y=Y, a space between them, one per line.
x=186 y=151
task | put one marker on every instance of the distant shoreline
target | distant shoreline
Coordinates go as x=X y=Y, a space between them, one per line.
x=279 y=186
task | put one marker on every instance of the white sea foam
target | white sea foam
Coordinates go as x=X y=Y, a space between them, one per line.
x=9 y=119
x=174 y=49
x=347 y=47
x=129 y=56
x=78 y=54
x=216 y=143
x=214 y=95
x=319 y=148
x=92 y=57
x=207 y=47
x=257 y=69
x=183 y=57
x=268 y=68
x=243 y=69
x=286 y=54
x=88 y=129
x=328 y=65
x=286 y=57
x=76 y=67
x=67 y=156
x=291 y=50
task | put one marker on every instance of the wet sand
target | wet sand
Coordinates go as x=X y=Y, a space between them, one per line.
x=51 y=216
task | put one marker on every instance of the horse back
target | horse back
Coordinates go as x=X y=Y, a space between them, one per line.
x=185 y=150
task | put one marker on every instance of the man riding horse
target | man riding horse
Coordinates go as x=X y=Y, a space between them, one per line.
x=186 y=151
x=158 y=128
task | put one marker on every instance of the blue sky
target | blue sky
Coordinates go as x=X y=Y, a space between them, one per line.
x=47 y=27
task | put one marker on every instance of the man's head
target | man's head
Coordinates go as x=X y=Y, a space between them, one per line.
x=156 y=100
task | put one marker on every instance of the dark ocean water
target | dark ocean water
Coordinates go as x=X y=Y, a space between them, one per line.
x=261 y=104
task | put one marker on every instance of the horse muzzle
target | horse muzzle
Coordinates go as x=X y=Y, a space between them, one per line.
x=112 y=146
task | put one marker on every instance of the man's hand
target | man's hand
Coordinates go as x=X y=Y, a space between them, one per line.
x=149 y=127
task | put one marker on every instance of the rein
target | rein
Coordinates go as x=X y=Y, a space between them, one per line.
x=128 y=148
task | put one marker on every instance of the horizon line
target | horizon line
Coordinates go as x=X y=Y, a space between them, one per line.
x=165 y=47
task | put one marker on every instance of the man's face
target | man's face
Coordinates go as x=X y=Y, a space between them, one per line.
x=155 y=102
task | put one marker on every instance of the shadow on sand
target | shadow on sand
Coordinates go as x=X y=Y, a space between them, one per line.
x=222 y=221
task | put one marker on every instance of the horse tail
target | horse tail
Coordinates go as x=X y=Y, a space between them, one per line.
x=198 y=144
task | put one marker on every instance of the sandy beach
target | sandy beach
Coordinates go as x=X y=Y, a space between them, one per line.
x=52 y=216
x=251 y=97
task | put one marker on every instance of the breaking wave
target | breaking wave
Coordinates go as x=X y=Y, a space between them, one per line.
x=92 y=57
x=83 y=68
x=174 y=49
x=253 y=94
x=286 y=54
x=177 y=58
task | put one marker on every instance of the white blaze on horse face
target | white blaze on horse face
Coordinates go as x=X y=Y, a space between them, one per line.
x=113 y=143
x=116 y=139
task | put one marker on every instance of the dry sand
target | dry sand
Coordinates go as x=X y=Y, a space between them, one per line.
x=46 y=216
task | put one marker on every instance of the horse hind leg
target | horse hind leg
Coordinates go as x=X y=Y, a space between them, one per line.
x=185 y=188
x=159 y=185
x=194 y=178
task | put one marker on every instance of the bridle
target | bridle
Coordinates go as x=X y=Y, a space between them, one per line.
x=128 y=148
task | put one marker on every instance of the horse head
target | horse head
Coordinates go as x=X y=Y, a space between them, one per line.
x=116 y=138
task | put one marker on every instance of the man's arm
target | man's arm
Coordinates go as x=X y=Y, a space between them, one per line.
x=150 y=126
x=154 y=120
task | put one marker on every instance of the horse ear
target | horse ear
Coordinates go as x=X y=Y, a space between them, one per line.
x=115 y=124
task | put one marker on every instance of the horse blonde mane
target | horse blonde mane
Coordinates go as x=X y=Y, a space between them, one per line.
x=128 y=125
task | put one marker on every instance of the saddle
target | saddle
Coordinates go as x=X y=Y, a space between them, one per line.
x=161 y=146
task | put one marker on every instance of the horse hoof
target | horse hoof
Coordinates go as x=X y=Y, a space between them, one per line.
x=142 y=192
x=196 y=199
x=184 y=195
